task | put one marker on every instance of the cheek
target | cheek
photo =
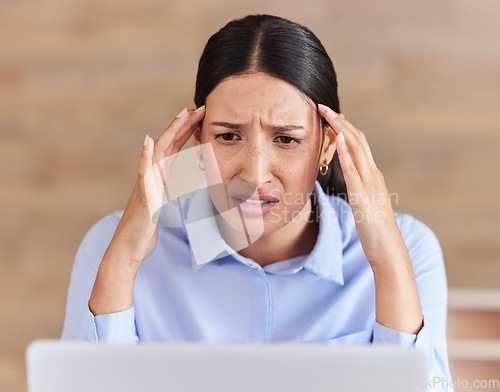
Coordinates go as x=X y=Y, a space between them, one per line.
x=299 y=167
x=226 y=161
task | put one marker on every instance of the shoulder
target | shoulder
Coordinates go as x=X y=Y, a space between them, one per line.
x=171 y=234
x=417 y=236
x=100 y=234
x=103 y=228
x=97 y=239
x=421 y=242
x=427 y=258
x=104 y=225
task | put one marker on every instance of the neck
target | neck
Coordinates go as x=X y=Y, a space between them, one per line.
x=296 y=238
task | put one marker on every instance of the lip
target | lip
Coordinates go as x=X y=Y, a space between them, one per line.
x=253 y=196
x=253 y=210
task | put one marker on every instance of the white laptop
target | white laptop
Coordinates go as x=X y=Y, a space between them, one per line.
x=71 y=366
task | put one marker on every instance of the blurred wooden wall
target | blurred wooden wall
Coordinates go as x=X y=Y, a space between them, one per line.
x=82 y=82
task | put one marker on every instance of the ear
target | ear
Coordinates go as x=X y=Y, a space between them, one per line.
x=329 y=146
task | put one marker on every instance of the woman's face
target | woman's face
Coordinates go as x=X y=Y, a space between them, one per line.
x=261 y=146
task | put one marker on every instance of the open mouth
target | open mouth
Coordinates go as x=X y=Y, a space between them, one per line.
x=252 y=201
x=255 y=205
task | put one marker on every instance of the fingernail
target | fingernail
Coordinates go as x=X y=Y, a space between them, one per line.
x=200 y=109
x=183 y=111
x=327 y=109
x=341 y=137
x=146 y=140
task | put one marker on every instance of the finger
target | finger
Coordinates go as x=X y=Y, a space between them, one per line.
x=188 y=128
x=349 y=170
x=150 y=176
x=146 y=160
x=168 y=133
x=355 y=141
x=353 y=145
x=329 y=115
x=177 y=134
x=360 y=136
x=339 y=120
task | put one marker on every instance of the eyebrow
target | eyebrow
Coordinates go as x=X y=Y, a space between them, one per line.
x=282 y=128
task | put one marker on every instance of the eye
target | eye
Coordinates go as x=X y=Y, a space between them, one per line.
x=288 y=139
x=228 y=136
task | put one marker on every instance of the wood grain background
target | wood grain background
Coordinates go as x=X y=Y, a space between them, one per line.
x=83 y=81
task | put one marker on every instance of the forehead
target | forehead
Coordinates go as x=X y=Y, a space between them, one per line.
x=259 y=94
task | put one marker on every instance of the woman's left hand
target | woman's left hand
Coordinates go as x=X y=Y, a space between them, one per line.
x=377 y=229
x=371 y=206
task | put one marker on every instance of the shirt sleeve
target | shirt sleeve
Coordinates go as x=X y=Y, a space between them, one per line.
x=79 y=322
x=116 y=327
x=428 y=265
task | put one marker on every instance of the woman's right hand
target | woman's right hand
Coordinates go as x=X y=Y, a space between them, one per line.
x=136 y=235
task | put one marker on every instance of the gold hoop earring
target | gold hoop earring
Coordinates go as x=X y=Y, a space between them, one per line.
x=323 y=169
x=200 y=160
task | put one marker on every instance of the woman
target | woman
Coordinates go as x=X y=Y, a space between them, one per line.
x=294 y=239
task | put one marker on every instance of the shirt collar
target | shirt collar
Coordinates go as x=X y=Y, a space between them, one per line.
x=326 y=257
x=207 y=243
x=203 y=233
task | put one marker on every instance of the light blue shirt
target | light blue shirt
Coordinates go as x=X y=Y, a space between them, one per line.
x=193 y=287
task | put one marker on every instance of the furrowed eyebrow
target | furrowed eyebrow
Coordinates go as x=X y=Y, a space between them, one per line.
x=226 y=125
x=287 y=128
x=282 y=128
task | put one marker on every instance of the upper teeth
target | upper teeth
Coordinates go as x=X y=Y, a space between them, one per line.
x=250 y=201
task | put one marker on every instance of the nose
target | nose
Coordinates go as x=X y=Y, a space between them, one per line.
x=256 y=165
